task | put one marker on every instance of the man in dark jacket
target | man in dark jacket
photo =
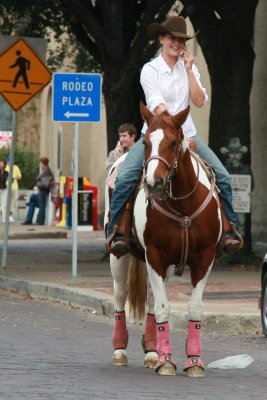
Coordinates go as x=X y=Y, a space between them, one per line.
x=39 y=199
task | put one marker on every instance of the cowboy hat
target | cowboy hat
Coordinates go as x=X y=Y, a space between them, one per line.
x=234 y=146
x=174 y=26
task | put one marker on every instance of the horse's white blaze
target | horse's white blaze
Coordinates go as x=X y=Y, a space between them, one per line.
x=155 y=138
x=195 y=308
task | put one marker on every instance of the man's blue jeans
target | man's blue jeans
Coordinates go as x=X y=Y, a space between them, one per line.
x=133 y=164
x=125 y=181
x=42 y=208
x=37 y=200
x=33 y=203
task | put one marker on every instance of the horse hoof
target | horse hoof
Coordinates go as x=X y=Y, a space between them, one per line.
x=195 y=372
x=151 y=360
x=167 y=369
x=120 y=360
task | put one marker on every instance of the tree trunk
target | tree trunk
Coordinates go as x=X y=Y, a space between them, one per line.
x=121 y=104
x=225 y=35
x=231 y=76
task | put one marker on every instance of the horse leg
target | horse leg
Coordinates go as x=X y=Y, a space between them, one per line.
x=119 y=271
x=149 y=339
x=166 y=364
x=194 y=366
x=120 y=339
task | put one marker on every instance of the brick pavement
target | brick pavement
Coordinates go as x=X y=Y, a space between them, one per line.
x=231 y=293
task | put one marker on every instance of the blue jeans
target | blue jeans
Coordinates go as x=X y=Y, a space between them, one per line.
x=37 y=200
x=223 y=179
x=125 y=181
x=133 y=164
x=42 y=208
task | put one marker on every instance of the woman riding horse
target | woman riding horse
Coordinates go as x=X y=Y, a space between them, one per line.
x=170 y=82
x=170 y=217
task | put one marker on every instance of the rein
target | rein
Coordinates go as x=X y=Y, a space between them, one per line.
x=170 y=193
x=156 y=157
x=172 y=167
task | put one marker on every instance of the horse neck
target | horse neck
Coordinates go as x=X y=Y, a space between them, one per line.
x=184 y=182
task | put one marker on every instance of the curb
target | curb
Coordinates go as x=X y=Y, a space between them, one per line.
x=94 y=301
x=32 y=234
x=39 y=235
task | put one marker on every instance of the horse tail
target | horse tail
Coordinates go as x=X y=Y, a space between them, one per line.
x=137 y=284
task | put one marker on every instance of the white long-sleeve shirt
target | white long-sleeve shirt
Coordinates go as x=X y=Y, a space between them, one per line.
x=161 y=85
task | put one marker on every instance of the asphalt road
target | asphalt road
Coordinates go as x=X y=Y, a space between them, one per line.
x=50 y=351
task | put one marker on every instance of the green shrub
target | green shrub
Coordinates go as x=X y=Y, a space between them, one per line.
x=28 y=163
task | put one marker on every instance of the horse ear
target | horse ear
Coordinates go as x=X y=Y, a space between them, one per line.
x=180 y=118
x=146 y=114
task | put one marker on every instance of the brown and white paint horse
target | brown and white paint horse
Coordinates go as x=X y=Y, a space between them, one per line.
x=177 y=222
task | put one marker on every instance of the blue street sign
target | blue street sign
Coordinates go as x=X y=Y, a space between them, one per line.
x=76 y=97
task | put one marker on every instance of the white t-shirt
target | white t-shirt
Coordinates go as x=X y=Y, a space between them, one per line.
x=161 y=85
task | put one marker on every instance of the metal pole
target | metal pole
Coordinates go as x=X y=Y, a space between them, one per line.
x=59 y=151
x=9 y=189
x=75 y=167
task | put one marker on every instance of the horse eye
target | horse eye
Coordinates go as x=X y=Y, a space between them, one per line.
x=173 y=143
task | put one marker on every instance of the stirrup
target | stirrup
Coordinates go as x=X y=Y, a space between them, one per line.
x=118 y=247
x=231 y=245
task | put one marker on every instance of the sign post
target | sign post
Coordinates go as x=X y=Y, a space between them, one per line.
x=22 y=75
x=76 y=98
x=9 y=188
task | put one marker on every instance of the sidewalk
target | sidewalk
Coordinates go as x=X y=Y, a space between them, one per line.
x=230 y=300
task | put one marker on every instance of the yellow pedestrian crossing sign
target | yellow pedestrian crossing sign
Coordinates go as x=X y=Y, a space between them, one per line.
x=22 y=74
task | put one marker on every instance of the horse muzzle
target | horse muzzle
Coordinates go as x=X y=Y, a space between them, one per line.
x=157 y=188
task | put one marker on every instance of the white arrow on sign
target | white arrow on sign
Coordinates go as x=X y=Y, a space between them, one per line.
x=69 y=114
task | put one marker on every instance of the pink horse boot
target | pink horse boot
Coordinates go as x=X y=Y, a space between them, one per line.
x=120 y=339
x=166 y=364
x=149 y=342
x=194 y=366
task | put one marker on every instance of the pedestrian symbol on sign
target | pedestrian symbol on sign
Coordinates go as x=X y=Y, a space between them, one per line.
x=22 y=74
x=23 y=64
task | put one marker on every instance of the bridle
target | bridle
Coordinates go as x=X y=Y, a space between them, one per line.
x=172 y=167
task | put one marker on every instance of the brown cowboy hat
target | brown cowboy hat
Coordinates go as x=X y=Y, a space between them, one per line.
x=174 y=25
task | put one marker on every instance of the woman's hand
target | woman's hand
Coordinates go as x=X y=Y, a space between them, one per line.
x=188 y=59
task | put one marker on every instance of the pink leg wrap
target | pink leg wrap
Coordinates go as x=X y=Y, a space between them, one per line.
x=150 y=337
x=163 y=345
x=193 y=345
x=120 y=333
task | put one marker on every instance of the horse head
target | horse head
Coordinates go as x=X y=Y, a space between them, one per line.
x=164 y=146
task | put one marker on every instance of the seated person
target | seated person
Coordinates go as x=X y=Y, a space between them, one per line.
x=127 y=136
x=38 y=200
